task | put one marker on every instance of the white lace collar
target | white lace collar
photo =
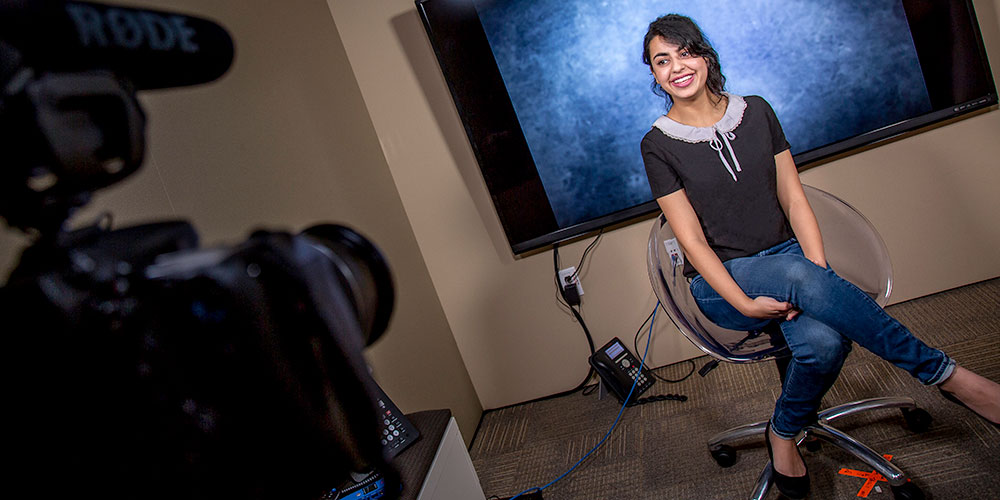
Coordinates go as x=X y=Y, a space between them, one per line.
x=729 y=121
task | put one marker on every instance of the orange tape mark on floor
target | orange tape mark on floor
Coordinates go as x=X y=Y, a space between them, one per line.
x=871 y=478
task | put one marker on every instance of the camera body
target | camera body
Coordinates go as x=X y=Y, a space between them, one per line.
x=232 y=371
x=140 y=365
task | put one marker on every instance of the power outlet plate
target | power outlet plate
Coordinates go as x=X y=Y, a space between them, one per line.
x=566 y=278
x=674 y=251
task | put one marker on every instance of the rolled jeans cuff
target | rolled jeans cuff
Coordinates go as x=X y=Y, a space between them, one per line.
x=944 y=371
x=783 y=435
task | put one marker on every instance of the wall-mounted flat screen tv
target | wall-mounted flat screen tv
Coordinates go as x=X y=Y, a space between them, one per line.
x=555 y=98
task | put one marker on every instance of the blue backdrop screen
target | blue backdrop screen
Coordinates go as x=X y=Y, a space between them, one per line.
x=555 y=97
x=581 y=93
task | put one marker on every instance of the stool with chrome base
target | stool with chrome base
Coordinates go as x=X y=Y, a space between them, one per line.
x=855 y=250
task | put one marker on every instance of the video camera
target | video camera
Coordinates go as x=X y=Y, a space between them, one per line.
x=138 y=364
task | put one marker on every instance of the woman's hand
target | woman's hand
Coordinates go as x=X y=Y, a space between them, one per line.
x=767 y=308
x=819 y=261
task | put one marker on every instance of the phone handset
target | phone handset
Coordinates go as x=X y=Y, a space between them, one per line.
x=618 y=369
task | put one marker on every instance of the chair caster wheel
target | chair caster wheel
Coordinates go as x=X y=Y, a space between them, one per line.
x=908 y=491
x=724 y=455
x=917 y=419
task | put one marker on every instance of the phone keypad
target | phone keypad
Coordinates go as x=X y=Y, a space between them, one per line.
x=633 y=372
x=397 y=431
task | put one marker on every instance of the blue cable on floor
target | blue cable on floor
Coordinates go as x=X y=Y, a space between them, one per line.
x=642 y=364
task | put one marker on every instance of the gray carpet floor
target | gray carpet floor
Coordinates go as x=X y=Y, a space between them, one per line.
x=658 y=450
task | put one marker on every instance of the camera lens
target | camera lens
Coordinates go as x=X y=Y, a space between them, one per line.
x=362 y=270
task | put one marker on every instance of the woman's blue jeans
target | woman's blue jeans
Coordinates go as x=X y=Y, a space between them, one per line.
x=834 y=313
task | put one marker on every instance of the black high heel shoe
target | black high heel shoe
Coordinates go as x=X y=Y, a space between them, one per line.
x=795 y=488
x=951 y=397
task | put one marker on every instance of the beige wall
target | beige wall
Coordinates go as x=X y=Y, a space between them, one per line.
x=932 y=196
x=284 y=141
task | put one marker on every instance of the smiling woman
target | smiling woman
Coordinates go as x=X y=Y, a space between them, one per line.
x=722 y=172
x=678 y=71
x=683 y=63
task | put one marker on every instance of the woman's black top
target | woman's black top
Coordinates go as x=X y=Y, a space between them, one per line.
x=728 y=173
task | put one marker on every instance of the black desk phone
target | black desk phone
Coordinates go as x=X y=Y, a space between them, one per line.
x=397 y=432
x=618 y=369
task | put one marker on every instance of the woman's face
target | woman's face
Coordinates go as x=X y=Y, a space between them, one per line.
x=683 y=75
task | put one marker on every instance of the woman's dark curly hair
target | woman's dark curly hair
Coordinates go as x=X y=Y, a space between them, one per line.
x=683 y=32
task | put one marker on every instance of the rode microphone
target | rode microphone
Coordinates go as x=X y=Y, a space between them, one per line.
x=151 y=49
x=70 y=123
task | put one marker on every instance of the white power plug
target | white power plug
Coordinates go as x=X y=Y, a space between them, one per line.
x=566 y=279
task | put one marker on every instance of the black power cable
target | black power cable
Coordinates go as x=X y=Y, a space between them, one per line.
x=579 y=267
x=565 y=301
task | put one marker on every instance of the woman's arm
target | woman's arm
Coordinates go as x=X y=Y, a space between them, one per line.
x=684 y=222
x=796 y=206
